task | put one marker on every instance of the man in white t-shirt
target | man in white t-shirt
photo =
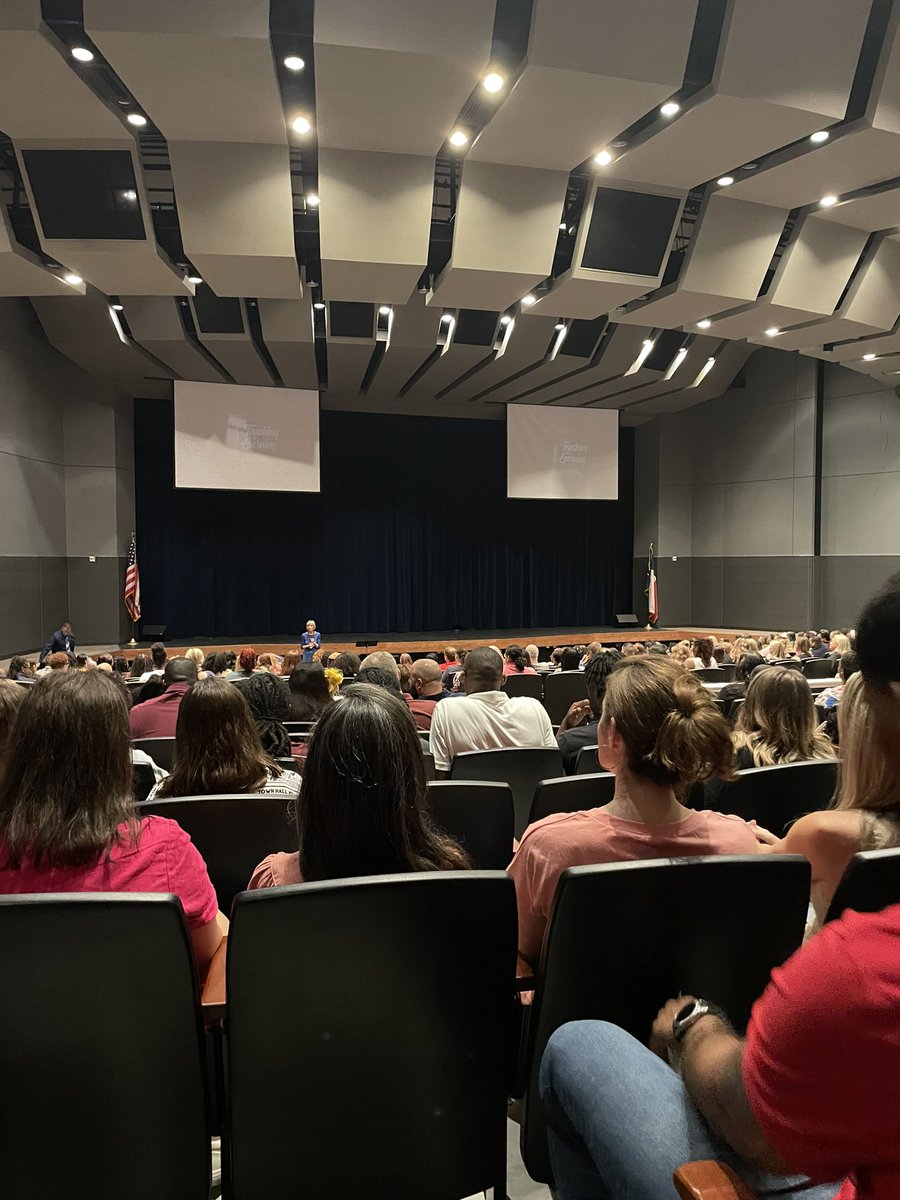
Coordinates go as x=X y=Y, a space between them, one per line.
x=486 y=718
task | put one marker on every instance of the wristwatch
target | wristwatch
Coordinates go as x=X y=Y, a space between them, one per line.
x=690 y=1014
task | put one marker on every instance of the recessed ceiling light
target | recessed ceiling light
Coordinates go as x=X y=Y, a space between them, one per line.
x=563 y=225
x=749 y=166
x=603 y=158
x=312 y=200
x=73 y=279
x=294 y=62
x=505 y=319
x=458 y=137
x=619 y=143
x=194 y=279
x=828 y=201
x=773 y=331
x=137 y=119
x=725 y=180
x=670 y=108
x=447 y=317
x=869 y=357
x=129 y=194
x=493 y=81
x=319 y=306
x=385 y=310
x=82 y=54
x=560 y=326
x=118 y=307
x=704 y=324
x=301 y=125
x=820 y=135
x=529 y=300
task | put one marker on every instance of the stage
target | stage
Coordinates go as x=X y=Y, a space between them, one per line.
x=435 y=641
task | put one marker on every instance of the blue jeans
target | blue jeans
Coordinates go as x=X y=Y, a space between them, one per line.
x=620 y=1122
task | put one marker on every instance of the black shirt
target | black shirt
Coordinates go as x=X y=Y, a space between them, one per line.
x=576 y=739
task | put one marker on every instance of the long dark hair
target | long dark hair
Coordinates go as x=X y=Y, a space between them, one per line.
x=140 y=664
x=270 y=708
x=11 y=697
x=362 y=809
x=217 y=747
x=517 y=656
x=67 y=785
x=308 y=691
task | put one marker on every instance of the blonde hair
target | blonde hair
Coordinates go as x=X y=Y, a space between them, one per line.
x=742 y=646
x=777 y=648
x=680 y=652
x=673 y=733
x=777 y=721
x=195 y=654
x=841 y=643
x=334 y=678
x=870 y=779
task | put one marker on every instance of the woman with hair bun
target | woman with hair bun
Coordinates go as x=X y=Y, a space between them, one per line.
x=659 y=734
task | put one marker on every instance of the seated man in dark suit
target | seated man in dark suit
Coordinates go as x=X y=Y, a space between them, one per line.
x=579 y=726
x=62 y=640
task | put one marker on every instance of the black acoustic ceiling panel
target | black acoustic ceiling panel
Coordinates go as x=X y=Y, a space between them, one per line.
x=217 y=314
x=85 y=194
x=629 y=231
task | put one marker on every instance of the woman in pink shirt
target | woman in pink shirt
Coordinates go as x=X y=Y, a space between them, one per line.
x=67 y=816
x=517 y=662
x=659 y=734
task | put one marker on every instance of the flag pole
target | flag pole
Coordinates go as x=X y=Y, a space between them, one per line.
x=649 y=569
x=133 y=641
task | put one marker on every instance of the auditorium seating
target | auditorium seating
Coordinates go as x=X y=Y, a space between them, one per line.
x=571 y=793
x=387 y=1073
x=587 y=762
x=525 y=685
x=160 y=749
x=232 y=833
x=102 y=1052
x=712 y=927
x=710 y=674
x=521 y=769
x=479 y=815
x=561 y=690
x=870 y=883
x=819 y=668
x=776 y=796
x=144 y=781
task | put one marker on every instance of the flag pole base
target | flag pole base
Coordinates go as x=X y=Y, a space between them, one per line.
x=648 y=627
x=132 y=642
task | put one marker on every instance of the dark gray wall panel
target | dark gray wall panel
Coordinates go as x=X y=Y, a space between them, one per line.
x=33 y=602
x=673 y=581
x=95 y=600
x=767 y=593
x=847 y=582
x=706 y=591
x=54 y=594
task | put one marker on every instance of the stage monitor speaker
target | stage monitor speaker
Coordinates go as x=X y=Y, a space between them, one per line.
x=626 y=619
x=157 y=632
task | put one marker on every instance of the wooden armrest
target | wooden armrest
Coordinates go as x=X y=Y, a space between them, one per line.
x=709 y=1181
x=212 y=997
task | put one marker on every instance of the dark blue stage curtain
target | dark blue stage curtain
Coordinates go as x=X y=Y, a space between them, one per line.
x=412 y=531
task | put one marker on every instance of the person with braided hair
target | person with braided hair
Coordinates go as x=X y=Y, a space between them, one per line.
x=270 y=707
x=659 y=733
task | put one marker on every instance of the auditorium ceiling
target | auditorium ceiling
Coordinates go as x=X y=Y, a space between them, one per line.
x=448 y=207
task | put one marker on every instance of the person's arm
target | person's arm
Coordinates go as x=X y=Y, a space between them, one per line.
x=578 y=713
x=709 y=1061
x=205 y=939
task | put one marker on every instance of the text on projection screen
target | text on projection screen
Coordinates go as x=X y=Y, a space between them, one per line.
x=562 y=453
x=258 y=439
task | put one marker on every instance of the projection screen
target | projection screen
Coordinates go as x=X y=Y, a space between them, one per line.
x=561 y=453
x=258 y=439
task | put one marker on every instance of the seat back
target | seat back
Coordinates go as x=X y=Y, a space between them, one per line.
x=144 y=781
x=377 y=1005
x=727 y=672
x=102 y=1050
x=160 y=749
x=775 y=797
x=523 y=770
x=233 y=834
x=298 y=726
x=870 y=883
x=561 y=690
x=710 y=674
x=571 y=793
x=587 y=762
x=287 y=764
x=625 y=937
x=818 y=668
x=479 y=816
x=525 y=685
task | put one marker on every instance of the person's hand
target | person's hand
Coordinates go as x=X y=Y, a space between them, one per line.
x=763 y=836
x=578 y=713
x=662 y=1039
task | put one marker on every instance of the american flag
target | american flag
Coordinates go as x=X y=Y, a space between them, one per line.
x=133 y=583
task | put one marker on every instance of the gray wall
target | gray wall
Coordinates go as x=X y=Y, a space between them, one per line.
x=66 y=491
x=726 y=492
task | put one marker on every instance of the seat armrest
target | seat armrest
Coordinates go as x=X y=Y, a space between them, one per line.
x=709 y=1181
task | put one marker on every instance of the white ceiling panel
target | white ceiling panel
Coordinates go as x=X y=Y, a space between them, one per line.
x=526 y=347
x=374 y=224
x=879 y=211
x=449 y=366
x=392 y=75
x=155 y=324
x=22 y=273
x=347 y=362
x=505 y=235
x=591 y=70
x=287 y=332
x=728 y=362
x=414 y=335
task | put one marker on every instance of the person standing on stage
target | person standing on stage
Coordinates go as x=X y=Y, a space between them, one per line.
x=310 y=641
x=62 y=640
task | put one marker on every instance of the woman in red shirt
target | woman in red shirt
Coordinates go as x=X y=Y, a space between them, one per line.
x=67 y=816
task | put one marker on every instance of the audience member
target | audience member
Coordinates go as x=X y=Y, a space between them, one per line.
x=426 y=678
x=363 y=810
x=487 y=719
x=533 y=654
x=334 y=678
x=245 y=666
x=680 y=652
x=58 y=661
x=517 y=662
x=158 y=717
x=230 y=659
x=67 y=816
x=121 y=665
x=817 y=648
x=20 y=668
x=139 y=665
x=848 y=665
x=267 y=662
x=801 y=646
x=451 y=675
x=776 y=650
x=158 y=659
x=570 y=659
x=742 y=646
x=701 y=655
x=382 y=676
x=290 y=661
x=270 y=707
x=659 y=733
x=579 y=726
x=11 y=696
x=589 y=651
x=215 y=664
x=450 y=659
x=308 y=692
x=347 y=663
x=218 y=749
x=195 y=654
x=737 y=689
x=838 y=646
x=83 y=663
x=404 y=669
